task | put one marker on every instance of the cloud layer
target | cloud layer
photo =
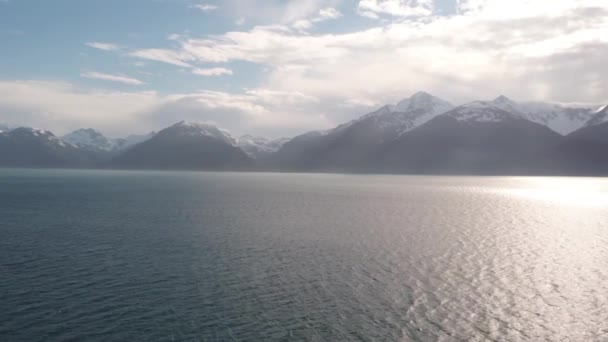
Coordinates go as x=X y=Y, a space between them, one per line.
x=527 y=49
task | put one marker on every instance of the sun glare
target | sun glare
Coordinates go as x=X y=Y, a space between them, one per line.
x=581 y=192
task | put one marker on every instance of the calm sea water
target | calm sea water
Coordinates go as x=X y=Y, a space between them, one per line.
x=164 y=256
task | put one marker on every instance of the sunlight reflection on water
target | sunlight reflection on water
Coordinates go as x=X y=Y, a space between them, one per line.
x=573 y=191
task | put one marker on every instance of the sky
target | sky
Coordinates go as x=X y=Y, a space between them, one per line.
x=284 y=67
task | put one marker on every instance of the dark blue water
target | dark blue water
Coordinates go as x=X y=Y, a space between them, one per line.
x=162 y=256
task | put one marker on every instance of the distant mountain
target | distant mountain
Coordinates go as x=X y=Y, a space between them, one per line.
x=30 y=147
x=559 y=118
x=583 y=152
x=348 y=146
x=187 y=146
x=260 y=147
x=476 y=138
x=90 y=140
x=420 y=134
x=122 y=144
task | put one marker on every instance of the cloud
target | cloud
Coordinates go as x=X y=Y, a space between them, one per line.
x=369 y=14
x=205 y=7
x=103 y=46
x=397 y=8
x=461 y=57
x=302 y=24
x=328 y=14
x=58 y=106
x=324 y=14
x=212 y=72
x=62 y=107
x=314 y=81
x=163 y=56
x=112 y=78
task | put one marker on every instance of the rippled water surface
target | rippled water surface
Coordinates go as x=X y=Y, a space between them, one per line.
x=161 y=256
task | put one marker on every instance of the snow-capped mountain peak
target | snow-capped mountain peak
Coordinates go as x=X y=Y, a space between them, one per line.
x=507 y=104
x=408 y=114
x=89 y=139
x=559 y=118
x=47 y=137
x=185 y=128
x=423 y=101
x=502 y=99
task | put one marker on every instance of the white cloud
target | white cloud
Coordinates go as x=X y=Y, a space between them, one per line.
x=112 y=78
x=397 y=8
x=163 y=56
x=212 y=71
x=369 y=14
x=328 y=14
x=461 y=57
x=324 y=14
x=205 y=7
x=554 y=53
x=103 y=46
x=63 y=107
x=302 y=24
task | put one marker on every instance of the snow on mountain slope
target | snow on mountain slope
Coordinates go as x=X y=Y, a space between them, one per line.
x=185 y=128
x=3 y=128
x=256 y=146
x=482 y=111
x=423 y=101
x=40 y=135
x=89 y=139
x=559 y=118
x=409 y=113
x=600 y=117
x=387 y=122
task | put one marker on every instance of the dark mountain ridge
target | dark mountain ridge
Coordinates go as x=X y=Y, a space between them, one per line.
x=422 y=134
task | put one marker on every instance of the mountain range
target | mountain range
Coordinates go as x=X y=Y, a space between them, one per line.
x=421 y=134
